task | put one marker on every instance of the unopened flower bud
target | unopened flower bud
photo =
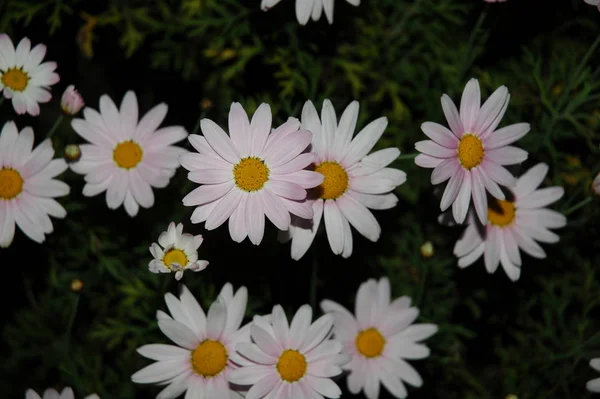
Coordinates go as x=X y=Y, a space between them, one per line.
x=71 y=102
x=427 y=249
x=72 y=153
x=206 y=104
x=76 y=285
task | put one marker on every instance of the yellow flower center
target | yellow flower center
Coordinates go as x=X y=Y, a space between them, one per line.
x=175 y=255
x=11 y=183
x=370 y=343
x=209 y=358
x=291 y=365
x=470 y=151
x=128 y=154
x=336 y=180
x=251 y=174
x=501 y=213
x=15 y=79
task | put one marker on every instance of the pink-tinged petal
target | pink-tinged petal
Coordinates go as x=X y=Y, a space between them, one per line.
x=296 y=164
x=265 y=341
x=490 y=185
x=543 y=217
x=260 y=127
x=22 y=51
x=460 y=207
x=219 y=141
x=334 y=226
x=318 y=332
x=506 y=155
x=470 y=239
x=207 y=193
x=470 y=258
x=150 y=122
x=255 y=218
x=164 y=137
x=493 y=246
x=512 y=271
x=498 y=173
x=479 y=197
x=469 y=105
x=364 y=141
x=372 y=185
x=359 y=217
x=538 y=233
x=492 y=111
x=201 y=145
x=346 y=326
x=7 y=222
x=372 y=386
x=393 y=325
x=374 y=201
x=116 y=192
x=286 y=189
x=426 y=161
x=158 y=372
x=178 y=333
x=275 y=211
x=264 y=387
x=452 y=189
x=31 y=229
x=304 y=233
x=210 y=176
x=286 y=150
x=250 y=375
x=35 y=57
x=237 y=222
x=346 y=127
x=303 y=11
x=8 y=141
x=281 y=133
x=324 y=386
x=347 y=251
x=280 y=326
x=540 y=198
x=374 y=162
x=215 y=320
x=448 y=168
x=328 y=7
x=303 y=178
x=193 y=161
x=224 y=209
x=202 y=212
x=324 y=369
x=530 y=180
x=357 y=378
x=311 y=122
x=433 y=149
x=440 y=134
x=365 y=302
x=507 y=135
x=452 y=116
x=33 y=107
x=527 y=244
x=317 y=11
x=239 y=129
x=112 y=119
x=129 y=114
x=302 y=209
x=19 y=103
x=329 y=121
x=510 y=245
x=140 y=189
x=299 y=326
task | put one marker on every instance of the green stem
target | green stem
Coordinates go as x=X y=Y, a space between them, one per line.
x=313 y=280
x=70 y=323
x=579 y=205
x=55 y=126
x=1 y=99
x=408 y=156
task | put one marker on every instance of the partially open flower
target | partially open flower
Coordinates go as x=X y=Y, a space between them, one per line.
x=71 y=101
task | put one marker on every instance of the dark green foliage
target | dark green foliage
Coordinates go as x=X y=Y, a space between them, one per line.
x=532 y=338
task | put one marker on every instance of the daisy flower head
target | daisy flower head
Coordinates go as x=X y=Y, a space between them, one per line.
x=472 y=153
x=594 y=385
x=593 y=3
x=23 y=76
x=126 y=157
x=250 y=173
x=290 y=361
x=514 y=223
x=67 y=393
x=307 y=9
x=27 y=185
x=353 y=181
x=379 y=337
x=179 y=252
x=205 y=352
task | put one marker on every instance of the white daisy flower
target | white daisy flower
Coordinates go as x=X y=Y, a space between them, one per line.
x=291 y=361
x=353 y=180
x=179 y=252
x=379 y=337
x=249 y=174
x=205 y=352
x=27 y=185
x=23 y=76
x=306 y=9
x=126 y=157
x=472 y=152
x=50 y=393
x=517 y=222
x=594 y=385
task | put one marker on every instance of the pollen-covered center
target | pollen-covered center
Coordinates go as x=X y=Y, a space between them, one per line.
x=15 y=79
x=470 y=151
x=251 y=174
x=291 y=365
x=175 y=255
x=501 y=213
x=336 y=180
x=370 y=342
x=11 y=183
x=128 y=154
x=209 y=358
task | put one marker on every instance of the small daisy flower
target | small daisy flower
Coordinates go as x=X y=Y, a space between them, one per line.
x=126 y=157
x=205 y=352
x=305 y=9
x=71 y=101
x=593 y=3
x=291 y=361
x=50 y=393
x=353 y=180
x=23 y=76
x=379 y=337
x=249 y=174
x=594 y=385
x=472 y=152
x=517 y=222
x=179 y=252
x=27 y=185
